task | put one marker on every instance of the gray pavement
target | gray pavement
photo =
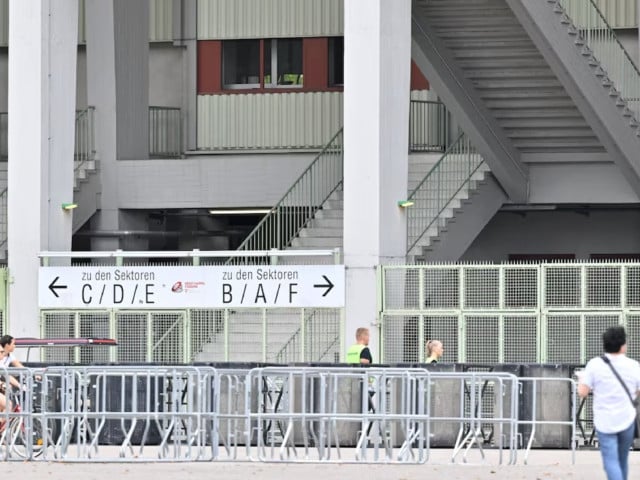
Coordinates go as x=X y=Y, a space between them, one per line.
x=543 y=465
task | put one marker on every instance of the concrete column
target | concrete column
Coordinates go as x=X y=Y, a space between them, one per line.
x=118 y=88
x=42 y=95
x=376 y=128
x=185 y=19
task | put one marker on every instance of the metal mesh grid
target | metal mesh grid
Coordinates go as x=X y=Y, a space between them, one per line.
x=594 y=326
x=562 y=286
x=633 y=286
x=284 y=334
x=245 y=336
x=394 y=329
x=442 y=287
x=603 y=286
x=94 y=325
x=563 y=339
x=207 y=328
x=132 y=334
x=445 y=329
x=520 y=339
x=482 y=339
x=481 y=287
x=167 y=337
x=521 y=287
x=58 y=325
x=322 y=341
x=401 y=288
x=633 y=336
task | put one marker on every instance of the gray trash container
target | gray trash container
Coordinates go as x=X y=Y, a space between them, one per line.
x=553 y=403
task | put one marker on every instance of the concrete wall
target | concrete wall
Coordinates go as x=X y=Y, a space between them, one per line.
x=208 y=181
x=579 y=232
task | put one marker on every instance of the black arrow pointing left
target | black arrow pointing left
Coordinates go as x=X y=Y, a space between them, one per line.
x=327 y=285
x=53 y=287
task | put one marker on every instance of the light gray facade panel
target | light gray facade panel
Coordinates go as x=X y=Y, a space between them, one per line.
x=268 y=121
x=132 y=78
x=580 y=232
x=4 y=23
x=619 y=13
x=209 y=181
x=165 y=75
x=584 y=183
x=228 y=19
x=161 y=20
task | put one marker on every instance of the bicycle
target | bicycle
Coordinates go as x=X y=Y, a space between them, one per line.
x=24 y=440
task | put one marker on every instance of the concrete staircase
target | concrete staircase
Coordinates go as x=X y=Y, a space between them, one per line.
x=86 y=192
x=325 y=230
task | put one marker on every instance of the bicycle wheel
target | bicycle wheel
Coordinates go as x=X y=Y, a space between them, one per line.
x=20 y=439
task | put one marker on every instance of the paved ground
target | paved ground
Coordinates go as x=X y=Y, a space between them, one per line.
x=543 y=465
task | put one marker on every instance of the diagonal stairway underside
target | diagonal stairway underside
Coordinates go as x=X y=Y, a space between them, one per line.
x=499 y=85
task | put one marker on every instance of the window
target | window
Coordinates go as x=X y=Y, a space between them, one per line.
x=283 y=62
x=241 y=64
x=336 y=61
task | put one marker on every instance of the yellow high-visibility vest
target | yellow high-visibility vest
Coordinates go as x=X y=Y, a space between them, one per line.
x=353 y=354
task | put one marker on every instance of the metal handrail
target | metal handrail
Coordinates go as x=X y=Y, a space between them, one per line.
x=84 y=144
x=165 y=131
x=601 y=39
x=439 y=187
x=428 y=126
x=301 y=201
x=3 y=219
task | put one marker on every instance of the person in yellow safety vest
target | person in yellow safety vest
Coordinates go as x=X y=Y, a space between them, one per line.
x=359 y=352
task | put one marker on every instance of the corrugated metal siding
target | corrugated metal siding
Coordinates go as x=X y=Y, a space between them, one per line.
x=225 y=19
x=268 y=121
x=4 y=23
x=161 y=20
x=619 y=13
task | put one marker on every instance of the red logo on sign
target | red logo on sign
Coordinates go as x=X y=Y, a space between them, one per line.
x=177 y=287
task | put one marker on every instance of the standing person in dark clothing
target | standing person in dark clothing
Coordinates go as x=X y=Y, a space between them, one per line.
x=359 y=352
x=435 y=349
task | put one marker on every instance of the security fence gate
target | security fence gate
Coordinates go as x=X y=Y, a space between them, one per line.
x=510 y=313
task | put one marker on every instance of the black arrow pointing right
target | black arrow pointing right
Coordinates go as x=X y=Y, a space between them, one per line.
x=53 y=286
x=327 y=285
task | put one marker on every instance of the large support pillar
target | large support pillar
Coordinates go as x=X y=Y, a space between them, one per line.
x=376 y=116
x=42 y=96
x=118 y=88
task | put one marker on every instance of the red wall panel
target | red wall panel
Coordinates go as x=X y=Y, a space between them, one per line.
x=209 y=66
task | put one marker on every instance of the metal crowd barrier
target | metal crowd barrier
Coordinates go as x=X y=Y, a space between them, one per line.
x=274 y=414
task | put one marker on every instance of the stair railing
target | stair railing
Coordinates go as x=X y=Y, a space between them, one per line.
x=300 y=203
x=84 y=147
x=601 y=39
x=451 y=173
x=3 y=219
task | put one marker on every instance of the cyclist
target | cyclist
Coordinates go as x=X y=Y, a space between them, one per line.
x=8 y=344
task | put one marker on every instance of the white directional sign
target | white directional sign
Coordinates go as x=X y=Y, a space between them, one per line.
x=192 y=287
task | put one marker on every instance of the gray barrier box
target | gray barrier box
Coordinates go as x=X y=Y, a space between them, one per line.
x=552 y=401
x=446 y=402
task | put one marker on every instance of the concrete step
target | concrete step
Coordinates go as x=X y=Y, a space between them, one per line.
x=326 y=223
x=322 y=242
x=324 y=213
x=322 y=232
